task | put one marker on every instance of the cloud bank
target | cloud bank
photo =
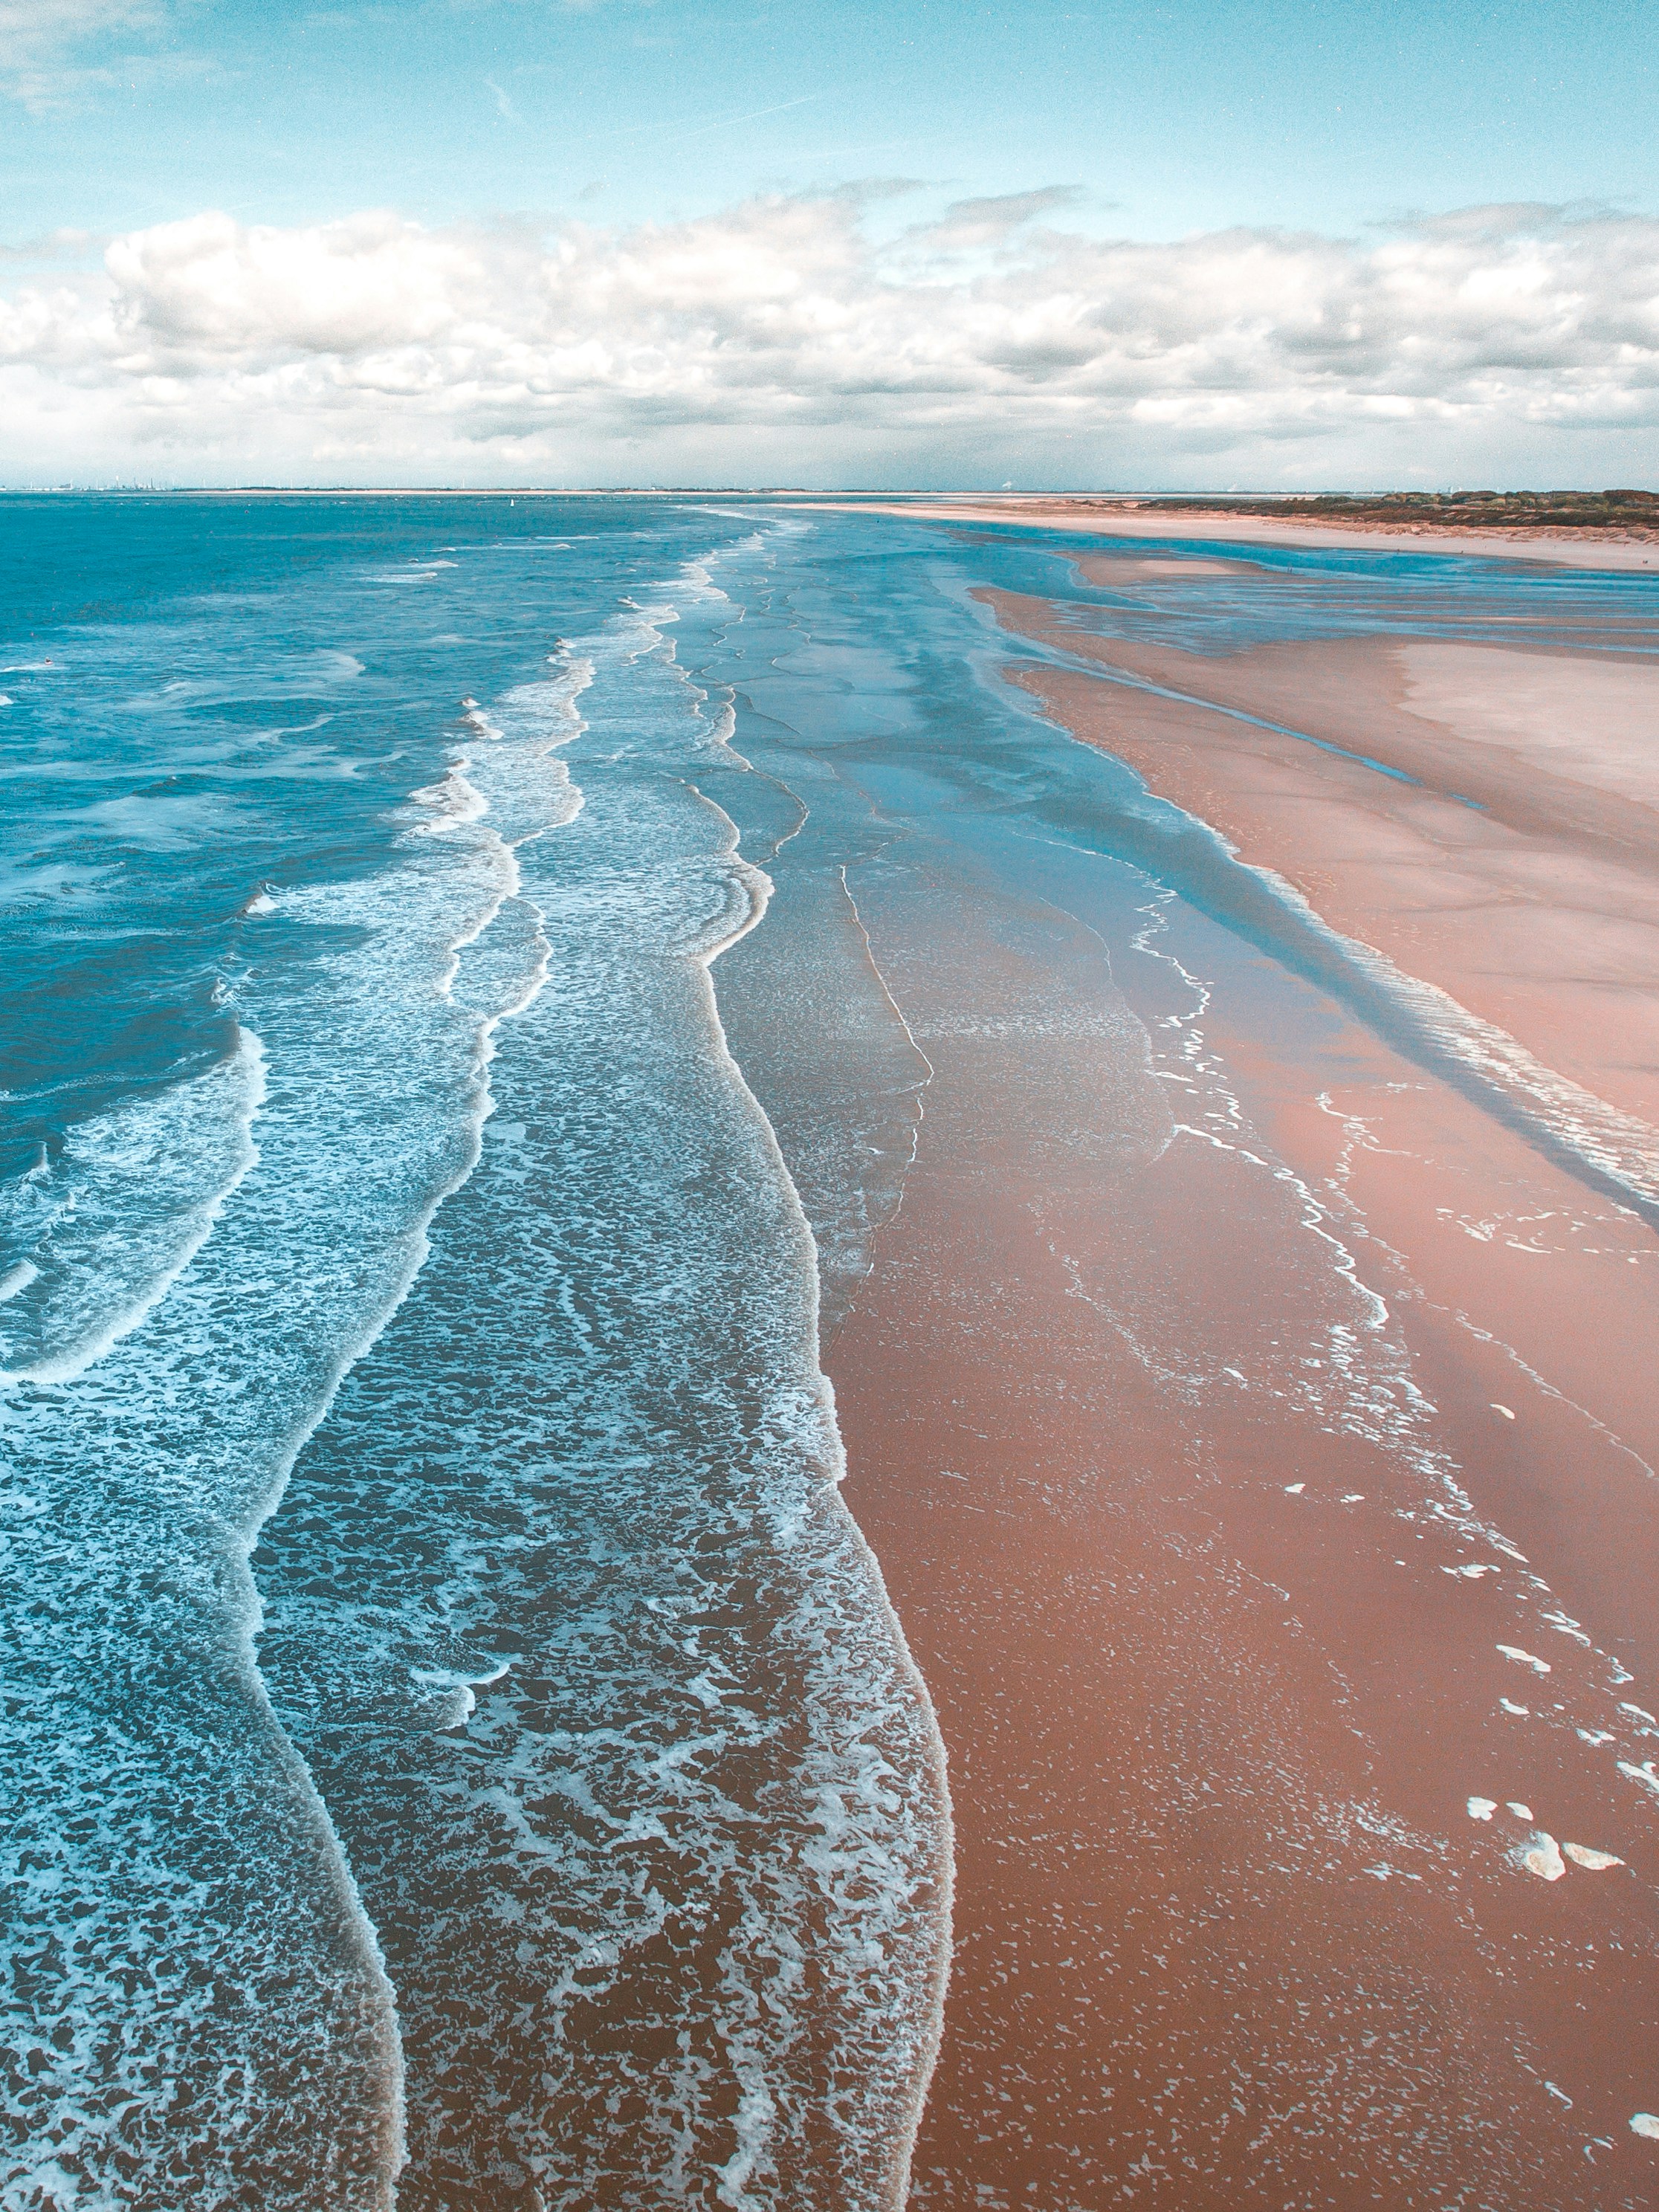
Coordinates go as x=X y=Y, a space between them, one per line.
x=779 y=341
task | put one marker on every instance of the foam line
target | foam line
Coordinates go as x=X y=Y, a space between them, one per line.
x=242 y=1076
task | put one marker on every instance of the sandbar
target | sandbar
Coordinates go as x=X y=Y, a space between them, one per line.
x=1517 y=869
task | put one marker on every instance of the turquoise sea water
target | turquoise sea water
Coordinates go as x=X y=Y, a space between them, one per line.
x=458 y=1750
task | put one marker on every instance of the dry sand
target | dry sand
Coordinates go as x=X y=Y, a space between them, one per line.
x=1519 y=872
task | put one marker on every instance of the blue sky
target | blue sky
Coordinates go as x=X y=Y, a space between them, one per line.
x=1330 y=113
x=480 y=124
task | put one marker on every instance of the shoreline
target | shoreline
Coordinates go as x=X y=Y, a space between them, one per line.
x=1590 y=547
x=1559 y=550
x=1418 y=795
x=1212 y=1859
x=1264 y=1499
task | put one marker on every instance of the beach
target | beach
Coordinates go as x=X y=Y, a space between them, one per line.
x=1494 y=857
x=1125 y=519
x=1217 y=1685
x=836 y=1393
x=1269 y=1504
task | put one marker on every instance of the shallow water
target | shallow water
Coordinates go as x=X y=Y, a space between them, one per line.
x=473 y=972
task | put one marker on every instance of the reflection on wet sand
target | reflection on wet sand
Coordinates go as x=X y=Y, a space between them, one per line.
x=1256 y=1429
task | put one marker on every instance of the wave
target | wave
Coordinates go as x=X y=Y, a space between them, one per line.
x=596 y=1677
x=919 y=2041
x=109 y=1227
x=195 y=1304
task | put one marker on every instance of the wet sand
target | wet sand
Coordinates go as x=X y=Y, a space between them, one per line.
x=1256 y=1498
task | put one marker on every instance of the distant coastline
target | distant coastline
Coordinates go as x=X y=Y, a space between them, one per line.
x=1568 y=529
x=1418 y=525
x=1619 y=510
x=1627 y=517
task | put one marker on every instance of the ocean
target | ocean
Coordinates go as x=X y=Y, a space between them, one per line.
x=462 y=1041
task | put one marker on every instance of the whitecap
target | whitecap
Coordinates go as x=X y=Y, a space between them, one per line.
x=475 y=719
x=452 y=801
x=116 y=1220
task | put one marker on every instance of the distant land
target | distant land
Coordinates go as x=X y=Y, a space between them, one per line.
x=1615 y=529
x=1623 y=513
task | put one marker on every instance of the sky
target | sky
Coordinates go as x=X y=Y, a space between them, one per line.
x=1274 y=243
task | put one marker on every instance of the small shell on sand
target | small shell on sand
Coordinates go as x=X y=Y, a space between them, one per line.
x=1482 y=1808
x=1540 y=1856
x=1581 y=1855
x=1645 y=2124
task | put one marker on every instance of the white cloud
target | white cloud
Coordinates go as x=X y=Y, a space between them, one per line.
x=40 y=41
x=773 y=341
x=29 y=29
